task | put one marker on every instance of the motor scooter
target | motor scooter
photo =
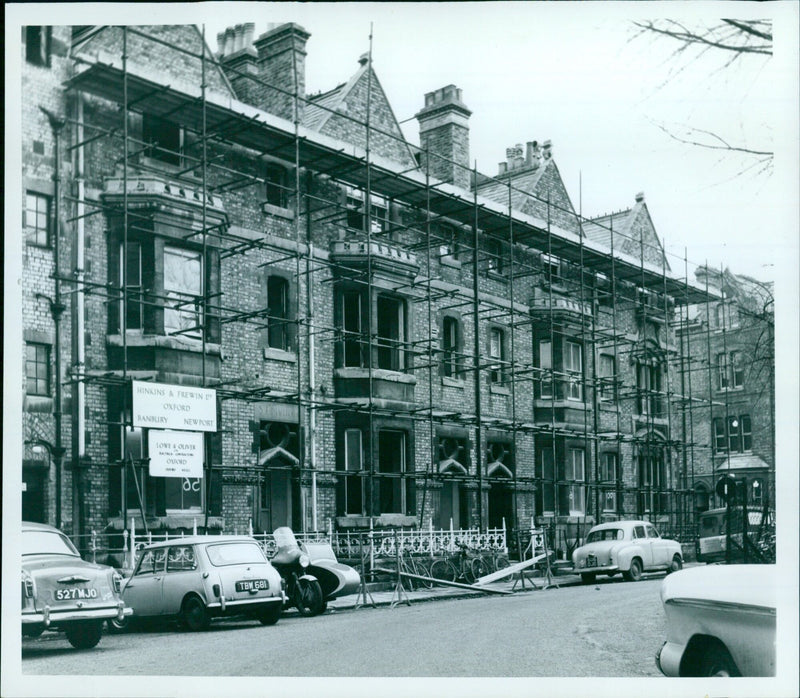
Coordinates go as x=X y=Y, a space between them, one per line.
x=312 y=573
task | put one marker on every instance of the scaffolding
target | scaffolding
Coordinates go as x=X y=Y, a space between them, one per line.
x=524 y=275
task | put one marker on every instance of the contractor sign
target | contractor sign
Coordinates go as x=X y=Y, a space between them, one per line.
x=164 y=406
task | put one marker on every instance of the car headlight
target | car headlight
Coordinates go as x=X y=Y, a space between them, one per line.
x=304 y=560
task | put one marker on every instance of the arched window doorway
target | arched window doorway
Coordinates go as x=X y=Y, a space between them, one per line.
x=500 y=471
x=278 y=489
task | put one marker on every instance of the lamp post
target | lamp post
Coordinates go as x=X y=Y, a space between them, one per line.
x=57 y=308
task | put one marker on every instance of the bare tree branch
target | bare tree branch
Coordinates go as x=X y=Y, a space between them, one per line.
x=714 y=37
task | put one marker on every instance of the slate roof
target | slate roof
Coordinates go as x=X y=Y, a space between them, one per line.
x=497 y=190
x=626 y=239
x=320 y=106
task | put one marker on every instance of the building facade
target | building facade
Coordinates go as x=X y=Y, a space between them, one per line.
x=393 y=338
x=730 y=348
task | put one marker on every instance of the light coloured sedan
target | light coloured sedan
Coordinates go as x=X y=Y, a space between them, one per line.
x=720 y=621
x=200 y=577
x=60 y=591
x=629 y=547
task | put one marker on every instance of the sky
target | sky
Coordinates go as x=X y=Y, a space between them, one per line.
x=575 y=74
x=579 y=77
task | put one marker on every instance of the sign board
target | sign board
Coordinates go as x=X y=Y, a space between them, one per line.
x=164 y=406
x=175 y=453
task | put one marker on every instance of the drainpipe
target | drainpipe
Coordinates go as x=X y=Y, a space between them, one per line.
x=310 y=338
x=57 y=308
x=78 y=306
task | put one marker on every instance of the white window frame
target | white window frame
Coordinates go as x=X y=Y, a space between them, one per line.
x=574 y=374
x=576 y=477
x=183 y=310
x=548 y=479
x=497 y=371
x=609 y=475
x=737 y=371
x=546 y=369
x=608 y=380
x=353 y=469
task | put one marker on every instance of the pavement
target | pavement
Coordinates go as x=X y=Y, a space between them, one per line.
x=380 y=595
x=388 y=595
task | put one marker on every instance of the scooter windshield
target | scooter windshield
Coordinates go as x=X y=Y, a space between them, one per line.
x=284 y=537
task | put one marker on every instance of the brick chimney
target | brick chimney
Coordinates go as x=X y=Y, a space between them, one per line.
x=238 y=57
x=444 y=132
x=281 y=55
x=272 y=58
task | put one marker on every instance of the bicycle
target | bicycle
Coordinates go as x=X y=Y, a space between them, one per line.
x=495 y=561
x=467 y=567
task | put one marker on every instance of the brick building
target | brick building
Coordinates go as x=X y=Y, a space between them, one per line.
x=392 y=338
x=730 y=350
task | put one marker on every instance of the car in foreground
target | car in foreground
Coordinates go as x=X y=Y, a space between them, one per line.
x=200 y=577
x=720 y=621
x=61 y=591
x=629 y=547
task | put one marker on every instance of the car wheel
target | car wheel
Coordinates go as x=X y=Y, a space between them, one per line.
x=270 y=615
x=115 y=625
x=588 y=578
x=308 y=597
x=194 y=615
x=717 y=661
x=675 y=565
x=85 y=635
x=634 y=574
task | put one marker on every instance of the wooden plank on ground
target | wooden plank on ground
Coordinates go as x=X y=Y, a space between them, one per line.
x=458 y=585
x=508 y=571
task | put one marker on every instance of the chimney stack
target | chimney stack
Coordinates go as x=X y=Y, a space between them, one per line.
x=281 y=62
x=444 y=134
x=534 y=156
x=274 y=59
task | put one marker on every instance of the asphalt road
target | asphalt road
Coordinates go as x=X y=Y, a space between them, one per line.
x=607 y=629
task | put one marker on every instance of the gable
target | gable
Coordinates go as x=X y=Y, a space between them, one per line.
x=163 y=61
x=544 y=183
x=641 y=241
x=550 y=188
x=350 y=112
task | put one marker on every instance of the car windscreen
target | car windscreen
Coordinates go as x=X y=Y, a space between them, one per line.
x=605 y=534
x=221 y=554
x=47 y=543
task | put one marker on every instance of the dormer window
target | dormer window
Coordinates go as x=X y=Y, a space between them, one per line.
x=495 y=261
x=276 y=186
x=449 y=246
x=551 y=268
x=379 y=212
x=163 y=139
x=37 y=45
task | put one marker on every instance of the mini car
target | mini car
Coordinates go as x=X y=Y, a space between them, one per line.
x=60 y=591
x=200 y=577
x=720 y=621
x=629 y=547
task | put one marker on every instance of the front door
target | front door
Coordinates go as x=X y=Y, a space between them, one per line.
x=275 y=499
x=501 y=505
x=449 y=509
x=33 y=481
